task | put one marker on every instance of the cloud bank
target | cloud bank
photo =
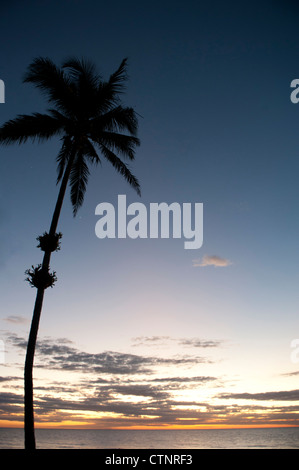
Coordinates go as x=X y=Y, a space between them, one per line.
x=111 y=389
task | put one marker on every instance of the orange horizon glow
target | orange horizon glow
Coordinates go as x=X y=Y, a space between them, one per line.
x=85 y=426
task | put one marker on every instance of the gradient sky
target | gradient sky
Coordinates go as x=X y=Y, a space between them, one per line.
x=143 y=333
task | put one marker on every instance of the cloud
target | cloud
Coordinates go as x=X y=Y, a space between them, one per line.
x=211 y=260
x=8 y=379
x=141 y=390
x=60 y=354
x=155 y=406
x=291 y=374
x=16 y=319
x=198 y=379
x=289 y=395
x=199 y=343
x=154 y=341
x=150 y=340
x=16 y=340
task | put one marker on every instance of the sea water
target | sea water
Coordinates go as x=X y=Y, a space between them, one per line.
x=266 y=438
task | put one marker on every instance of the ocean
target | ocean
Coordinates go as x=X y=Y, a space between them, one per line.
x=270 y=438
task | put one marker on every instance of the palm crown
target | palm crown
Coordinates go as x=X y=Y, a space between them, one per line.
x=87 y=115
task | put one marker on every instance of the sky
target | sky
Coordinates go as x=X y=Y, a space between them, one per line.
x=143 y=333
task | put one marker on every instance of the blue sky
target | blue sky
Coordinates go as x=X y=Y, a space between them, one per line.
x=211 y=81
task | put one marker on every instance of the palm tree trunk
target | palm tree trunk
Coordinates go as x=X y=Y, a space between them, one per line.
x=28 y=378
x=29 y=415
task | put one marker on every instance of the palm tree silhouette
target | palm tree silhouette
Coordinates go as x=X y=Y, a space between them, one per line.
x=89 y=117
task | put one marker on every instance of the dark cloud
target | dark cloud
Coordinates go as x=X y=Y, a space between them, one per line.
x=11 y=406
x=289 y=395
x=291 y=374
x=163 y=340
x=142 y=340
x=199 y=379
x=8 y=398
x=8 y=379
x=155 y=408
x=140 y=390
x=156 y=405
x=61 y=354
x=111 y=362
x=16 y=340
x=198 y=343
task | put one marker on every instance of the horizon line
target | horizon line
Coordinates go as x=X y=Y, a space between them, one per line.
x=160 y=428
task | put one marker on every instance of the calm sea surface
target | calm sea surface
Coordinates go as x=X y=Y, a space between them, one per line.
x=274 y=438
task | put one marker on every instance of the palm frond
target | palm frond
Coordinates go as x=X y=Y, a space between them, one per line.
x=35 y=126
x=52 y=81
x=63 y=156
x=79 y=69
x=118 y=118
x=61 y=117
x=89 y=151
x=121 y=143
x=78 y=182
x=108 y=92
x=117 y=79
x=83 y=74
x=121 y=168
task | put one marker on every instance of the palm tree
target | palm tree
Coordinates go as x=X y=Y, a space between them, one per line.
x=90 y=119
